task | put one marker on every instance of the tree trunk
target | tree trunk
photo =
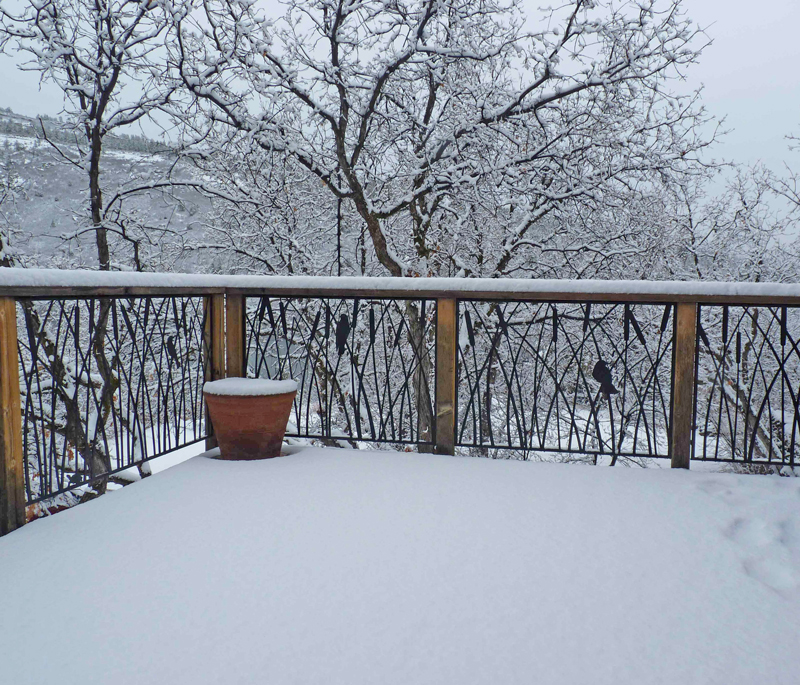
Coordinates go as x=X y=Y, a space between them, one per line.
x=96 y=199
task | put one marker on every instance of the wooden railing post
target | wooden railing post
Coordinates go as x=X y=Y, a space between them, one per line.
x=446 y=350
x=12 y=476
x=234 y=335
x=683 y=384
x=215 y=344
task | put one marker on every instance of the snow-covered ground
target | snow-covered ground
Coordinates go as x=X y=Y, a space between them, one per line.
x=333 y=566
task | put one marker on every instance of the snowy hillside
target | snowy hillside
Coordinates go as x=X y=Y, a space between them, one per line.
x=49 y=196
x=22 y=126
x=330 y=566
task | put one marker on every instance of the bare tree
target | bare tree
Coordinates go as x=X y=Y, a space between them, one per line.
x=104 y=57
x=268 y=215
x=414 y=112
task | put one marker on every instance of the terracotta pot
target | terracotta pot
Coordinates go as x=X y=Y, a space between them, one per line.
x=249 y=416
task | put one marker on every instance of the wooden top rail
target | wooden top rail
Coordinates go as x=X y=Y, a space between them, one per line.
x=54 y=283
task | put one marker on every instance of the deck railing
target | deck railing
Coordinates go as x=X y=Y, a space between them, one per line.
x=101 y=372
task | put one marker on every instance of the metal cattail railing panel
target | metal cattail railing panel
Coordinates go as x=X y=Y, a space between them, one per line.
x=747 y=385
x=587 y=378
x=364 y=367
x=107 y=384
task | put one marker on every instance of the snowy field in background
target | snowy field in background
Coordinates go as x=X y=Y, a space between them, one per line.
x=333 y=566
x=49 y=194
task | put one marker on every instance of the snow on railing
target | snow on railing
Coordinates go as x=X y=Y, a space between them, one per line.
x=100 y=372
x=50 y=282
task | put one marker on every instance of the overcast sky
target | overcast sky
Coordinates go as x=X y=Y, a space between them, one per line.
x=750 y=74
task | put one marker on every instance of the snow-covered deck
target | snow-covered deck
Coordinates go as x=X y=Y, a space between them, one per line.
x=333 y=566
